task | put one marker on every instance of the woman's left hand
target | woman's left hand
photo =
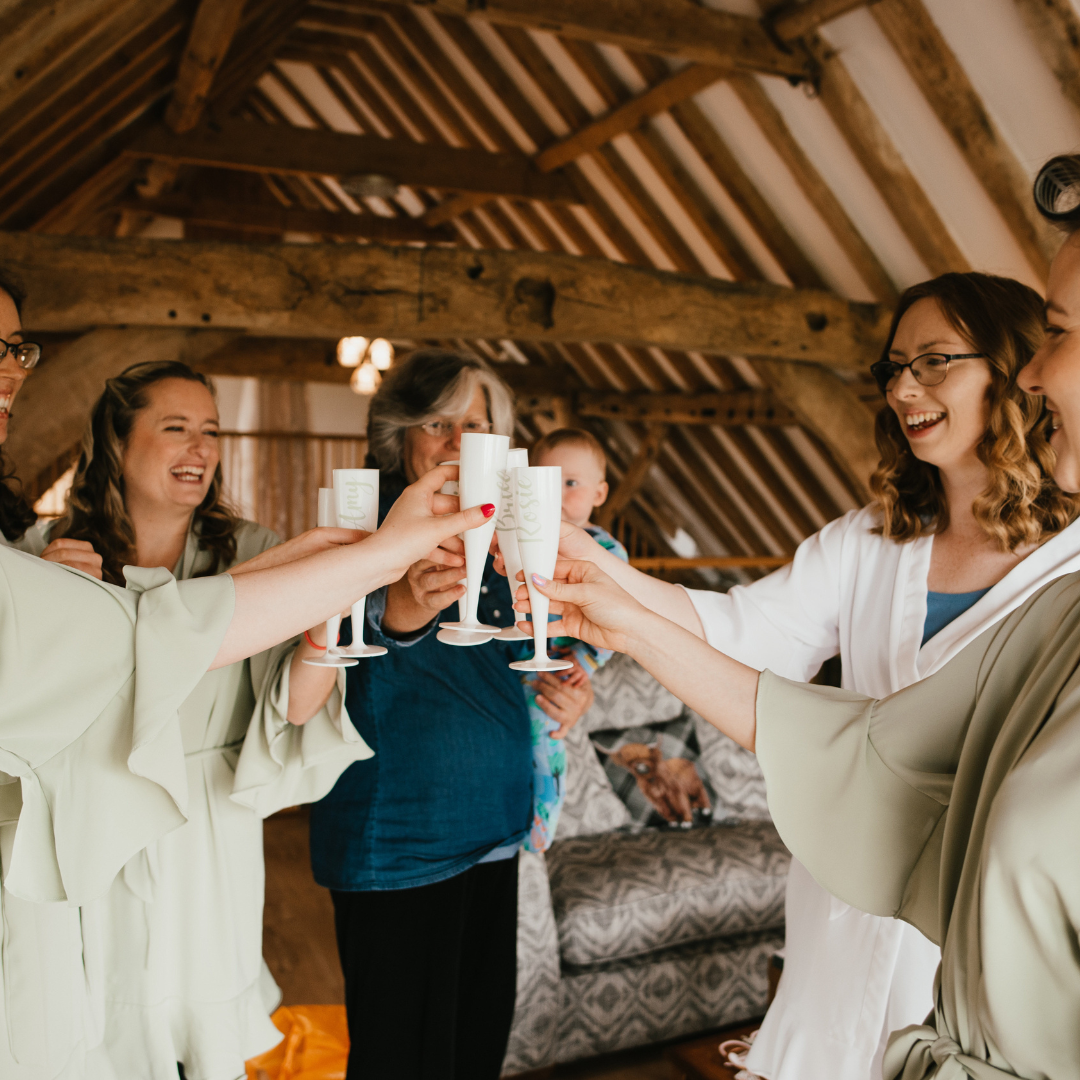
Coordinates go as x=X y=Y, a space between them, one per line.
x=78 y=554
x=593 y=607
x=566 y=701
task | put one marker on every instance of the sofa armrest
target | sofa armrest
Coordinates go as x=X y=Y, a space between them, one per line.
x=532 y=1036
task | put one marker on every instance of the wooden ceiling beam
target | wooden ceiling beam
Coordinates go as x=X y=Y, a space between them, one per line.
x=212 y=31
x=947 y=88
x=716 y=154
x=320 y=290
x=274 y=148
x=24 y=149
x=768 y=117
x=592 y=136
x=670 y=27
x=636 y=472
x=730 y=408
x=281 y=219
x=40 y=38
x=1055 y=27
x=795 y=20
x=878 y=155
x=830 y=408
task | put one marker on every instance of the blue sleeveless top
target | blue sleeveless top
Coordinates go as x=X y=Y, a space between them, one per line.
x=943 y=607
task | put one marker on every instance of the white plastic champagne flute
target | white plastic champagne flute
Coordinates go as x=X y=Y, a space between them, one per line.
x=458 y=637
x=538 y=511
x=330 y=658
x=356 y=498
x=506 y=533
x=482 y=457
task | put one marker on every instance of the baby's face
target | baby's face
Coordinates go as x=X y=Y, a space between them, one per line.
x=584 y=486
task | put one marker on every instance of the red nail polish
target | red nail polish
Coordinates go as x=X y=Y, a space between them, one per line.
x=488 y=508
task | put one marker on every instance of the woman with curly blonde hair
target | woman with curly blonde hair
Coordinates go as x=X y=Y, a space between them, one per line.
x=965 y=525
x=1019 y=504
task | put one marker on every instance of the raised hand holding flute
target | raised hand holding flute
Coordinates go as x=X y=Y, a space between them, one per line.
x=598 y=610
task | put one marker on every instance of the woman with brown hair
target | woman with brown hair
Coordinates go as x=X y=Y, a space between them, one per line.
x=966 y=524
x=953 y=804
x=92 y=769
x=182 y=925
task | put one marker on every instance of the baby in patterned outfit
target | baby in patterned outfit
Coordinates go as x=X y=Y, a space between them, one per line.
x=583 y=464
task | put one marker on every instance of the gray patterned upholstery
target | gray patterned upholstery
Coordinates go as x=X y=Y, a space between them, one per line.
x=539 y=994
x=678 y=992
x=628 y=937
x=733 y=773
x=619 y=896
x=628 y=696
x=591 y=806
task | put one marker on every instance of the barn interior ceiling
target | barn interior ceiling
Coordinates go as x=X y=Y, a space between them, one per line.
x=681 y=224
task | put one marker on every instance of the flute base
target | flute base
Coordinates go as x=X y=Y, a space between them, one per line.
x=512 y=633
x=361 y=651
x=332 y=661
x=541 y=664
x=471 y=628
x=460 y=637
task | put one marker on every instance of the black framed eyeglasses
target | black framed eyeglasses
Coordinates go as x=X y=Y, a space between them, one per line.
x=929 y=369
x=26 y=354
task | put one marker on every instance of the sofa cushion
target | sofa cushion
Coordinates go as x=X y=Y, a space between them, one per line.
x=628 y=696
x=655 y=772
x=620 y=895
x=732 y=773
x=591 y=806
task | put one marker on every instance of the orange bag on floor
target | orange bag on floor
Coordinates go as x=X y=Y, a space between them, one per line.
x=315 y=1047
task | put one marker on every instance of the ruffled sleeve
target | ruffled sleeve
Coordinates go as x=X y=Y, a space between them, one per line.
x=859 y=788
x=283 y=764
x=92 y=677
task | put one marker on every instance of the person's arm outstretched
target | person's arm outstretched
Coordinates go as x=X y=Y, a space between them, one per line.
x=598 y=610
x=282 y=601
x=667 y=600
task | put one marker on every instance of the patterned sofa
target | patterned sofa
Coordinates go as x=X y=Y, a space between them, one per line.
x=630 y=935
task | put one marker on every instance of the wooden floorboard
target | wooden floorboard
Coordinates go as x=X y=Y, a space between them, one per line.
x=298 y=919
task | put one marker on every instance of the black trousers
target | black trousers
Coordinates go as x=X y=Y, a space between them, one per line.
x=430 y=976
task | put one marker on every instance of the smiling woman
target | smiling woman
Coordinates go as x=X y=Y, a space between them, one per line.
x=188 y=985
x=964 y=450
x=148 y=471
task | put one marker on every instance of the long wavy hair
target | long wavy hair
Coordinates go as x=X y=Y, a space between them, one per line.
x=1003 y=320
x=96 y=508
x=427 y=384
x=16 y=514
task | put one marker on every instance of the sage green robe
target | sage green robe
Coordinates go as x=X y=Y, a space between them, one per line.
x=955 y=805
x=91 y=771
x=182 y=924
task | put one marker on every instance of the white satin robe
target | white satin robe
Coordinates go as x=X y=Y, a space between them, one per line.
x=851 y=978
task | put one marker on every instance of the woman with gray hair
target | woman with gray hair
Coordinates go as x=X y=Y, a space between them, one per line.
x=419 y=844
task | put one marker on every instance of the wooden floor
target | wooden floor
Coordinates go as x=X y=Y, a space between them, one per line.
x=298 y=942
x=298 y=920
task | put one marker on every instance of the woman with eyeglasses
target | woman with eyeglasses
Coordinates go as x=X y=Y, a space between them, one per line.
x=419 y=844
x=953 y=804
x=965 y=525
